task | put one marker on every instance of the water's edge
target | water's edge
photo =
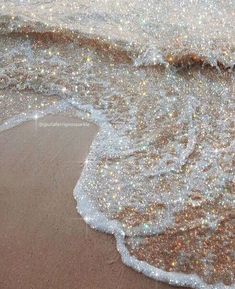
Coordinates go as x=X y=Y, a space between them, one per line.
x=84 y=69
x=88 y=210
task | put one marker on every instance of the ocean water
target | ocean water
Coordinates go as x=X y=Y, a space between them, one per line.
x=158 y=79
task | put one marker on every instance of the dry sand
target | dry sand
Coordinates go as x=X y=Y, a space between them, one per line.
x=44 y=243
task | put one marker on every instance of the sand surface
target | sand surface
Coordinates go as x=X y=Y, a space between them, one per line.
x=44 y=243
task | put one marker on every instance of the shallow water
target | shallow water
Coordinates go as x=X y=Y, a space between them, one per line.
x=158 y=79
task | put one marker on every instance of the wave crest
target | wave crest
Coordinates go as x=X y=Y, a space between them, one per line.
x=219 y=57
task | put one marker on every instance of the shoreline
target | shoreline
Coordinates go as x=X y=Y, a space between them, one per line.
x=44 y=242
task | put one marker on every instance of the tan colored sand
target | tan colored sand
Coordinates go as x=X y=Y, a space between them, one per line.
x=44 y=243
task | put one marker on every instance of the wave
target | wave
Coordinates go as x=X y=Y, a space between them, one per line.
x=161 y=164
x=219 y=57
x=88 y=208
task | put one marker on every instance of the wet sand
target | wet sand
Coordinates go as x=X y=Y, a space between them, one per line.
x=44 y=243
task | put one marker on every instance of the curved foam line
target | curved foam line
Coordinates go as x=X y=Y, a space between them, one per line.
x=96 y=219
x=23 y=117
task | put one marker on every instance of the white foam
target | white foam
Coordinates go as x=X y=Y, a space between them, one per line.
x=90 y=213
x=23 y=117
x=97 y=220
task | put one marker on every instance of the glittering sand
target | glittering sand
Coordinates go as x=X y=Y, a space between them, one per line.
x=160 y=173
x=43 y=241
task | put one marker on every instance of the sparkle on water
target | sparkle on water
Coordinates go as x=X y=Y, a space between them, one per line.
x=157 y=77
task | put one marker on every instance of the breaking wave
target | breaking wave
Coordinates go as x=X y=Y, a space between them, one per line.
x=220 y=56
x=162 y=164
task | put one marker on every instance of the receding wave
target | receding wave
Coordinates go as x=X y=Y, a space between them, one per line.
x=159 y=175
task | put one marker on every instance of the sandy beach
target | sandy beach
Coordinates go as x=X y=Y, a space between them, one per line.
x=126 y=161
x=45 y=244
